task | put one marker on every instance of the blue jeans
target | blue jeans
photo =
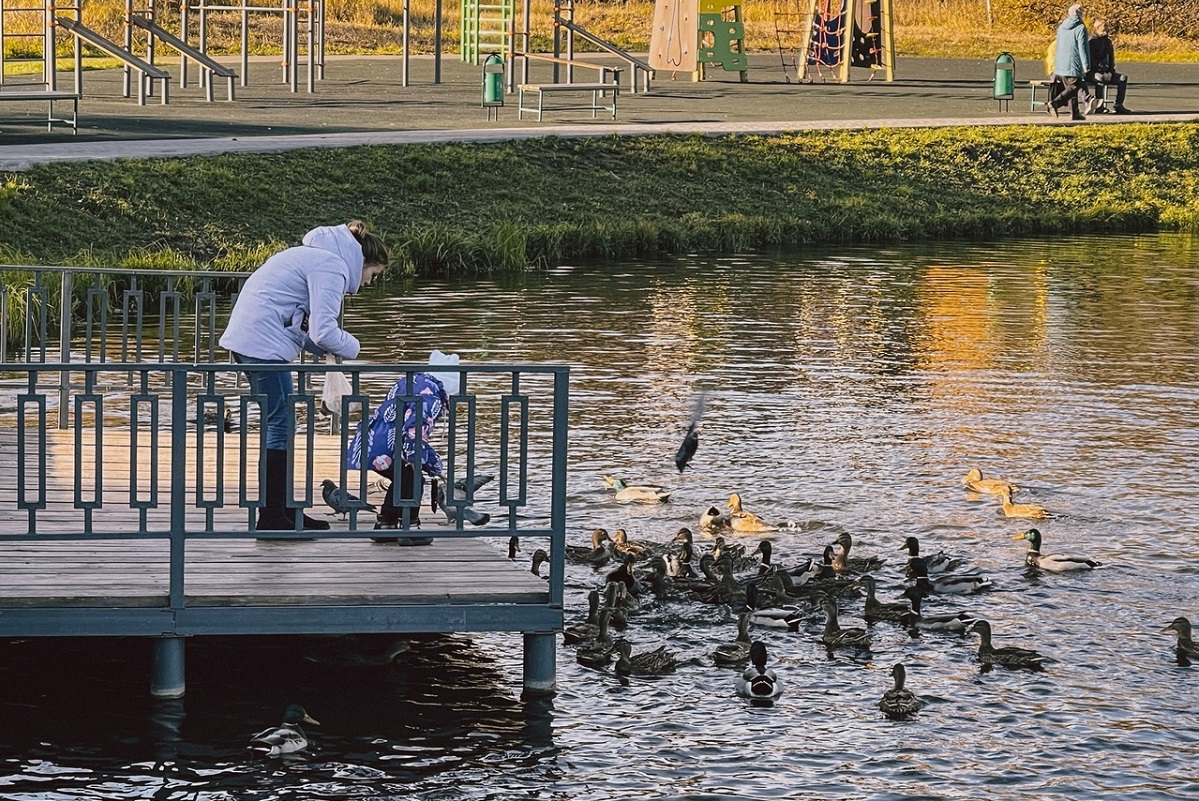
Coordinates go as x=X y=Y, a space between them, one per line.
x=276 y=386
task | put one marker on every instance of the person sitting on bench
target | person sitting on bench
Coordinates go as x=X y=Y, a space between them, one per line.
x=1103 y=66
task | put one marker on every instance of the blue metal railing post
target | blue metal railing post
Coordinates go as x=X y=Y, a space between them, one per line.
x=178 y=484
x=558 y=494
x=64 y=348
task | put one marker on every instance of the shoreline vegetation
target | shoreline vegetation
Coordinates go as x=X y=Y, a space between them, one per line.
x=459 y=209
x=1143 y=30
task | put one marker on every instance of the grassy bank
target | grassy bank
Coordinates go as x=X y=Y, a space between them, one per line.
x=469 y=208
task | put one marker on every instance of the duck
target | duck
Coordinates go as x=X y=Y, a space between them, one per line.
x=540 y=557
x=1053 y=562
x=626 y=547
x=837 y=637
x=1029 y=510
x=916 y=620
x=646 y=663
x=939 y=562
x=589 y=628
x=597 y=652
x=757 y=682
x=713 y=520
x=975 y=482
x=286 y=738
x=953 y=584
x=775 y=617
x=622 y=603
x=624 y=574
x=876 y=609
x=1010 y=657
x=843 y=562
x=1186 y=649
x=744 y=522
x=737 y=651
x=598 y=555
x=898 y=703
x=628 y=493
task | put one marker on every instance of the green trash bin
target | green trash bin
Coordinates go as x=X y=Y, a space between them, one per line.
x=1005 y=79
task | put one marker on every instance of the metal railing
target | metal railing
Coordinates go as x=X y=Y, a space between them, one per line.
x=193 y=425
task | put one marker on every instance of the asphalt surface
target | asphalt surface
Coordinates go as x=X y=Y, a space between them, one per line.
x=362 y=101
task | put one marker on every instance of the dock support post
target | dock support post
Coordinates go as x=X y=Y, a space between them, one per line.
x=166 y=680
x=540 y=654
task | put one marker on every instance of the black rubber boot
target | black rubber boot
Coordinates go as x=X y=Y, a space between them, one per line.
x=275 y=515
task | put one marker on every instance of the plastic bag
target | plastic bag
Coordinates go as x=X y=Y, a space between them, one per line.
x=337 y=385
x=448 y=380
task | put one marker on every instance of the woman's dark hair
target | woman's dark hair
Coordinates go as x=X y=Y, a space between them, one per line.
x=373 y=249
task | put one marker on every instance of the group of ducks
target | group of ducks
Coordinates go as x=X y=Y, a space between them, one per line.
x=770 y=595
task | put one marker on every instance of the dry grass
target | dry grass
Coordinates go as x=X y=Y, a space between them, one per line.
x=923 y=28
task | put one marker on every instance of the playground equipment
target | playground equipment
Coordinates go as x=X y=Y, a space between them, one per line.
x=145 y=34
x=687 y=35
x=839 y=34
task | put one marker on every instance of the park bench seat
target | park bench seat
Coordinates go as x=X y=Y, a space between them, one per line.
x=49 y=96
x=598 y=91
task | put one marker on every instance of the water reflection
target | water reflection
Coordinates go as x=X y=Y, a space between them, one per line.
x=849 y=391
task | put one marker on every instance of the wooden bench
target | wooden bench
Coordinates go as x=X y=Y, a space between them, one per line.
x=49 y=96
x=597 y=90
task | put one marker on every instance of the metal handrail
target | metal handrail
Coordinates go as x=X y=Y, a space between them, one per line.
x=165 y=418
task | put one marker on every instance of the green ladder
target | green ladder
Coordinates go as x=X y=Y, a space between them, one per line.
x=485 y=28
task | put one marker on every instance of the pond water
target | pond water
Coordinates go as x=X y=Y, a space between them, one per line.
x=851 y=390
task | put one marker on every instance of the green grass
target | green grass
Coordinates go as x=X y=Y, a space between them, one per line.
x=455 y=209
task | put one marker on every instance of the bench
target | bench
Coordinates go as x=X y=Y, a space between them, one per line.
x=597 y=91
x=48 y=95
x=1100 y=91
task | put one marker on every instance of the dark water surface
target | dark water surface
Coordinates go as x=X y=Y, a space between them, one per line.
x=852 y=391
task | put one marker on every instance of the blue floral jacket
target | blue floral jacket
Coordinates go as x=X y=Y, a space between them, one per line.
x=380 y=432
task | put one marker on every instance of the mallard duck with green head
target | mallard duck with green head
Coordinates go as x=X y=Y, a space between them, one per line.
x=757 y=682
x=1008 y=656
x=774 y=617
x=939 y=562
x=1186 y=649
x=287 y=737
x=947 y=584
x=1053 y=562
x=632 y=493
x=837 y=637
x=899 y=703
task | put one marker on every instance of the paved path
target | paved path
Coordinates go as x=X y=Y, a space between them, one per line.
x=362 y=101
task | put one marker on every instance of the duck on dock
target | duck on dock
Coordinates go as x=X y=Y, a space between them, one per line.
x=287 y=737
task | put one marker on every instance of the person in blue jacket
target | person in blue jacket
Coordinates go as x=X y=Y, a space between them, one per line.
x=289 y=304
x=374 y=448
x=1071 y=63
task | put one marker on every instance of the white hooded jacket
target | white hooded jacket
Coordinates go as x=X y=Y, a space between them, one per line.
x=294 y=286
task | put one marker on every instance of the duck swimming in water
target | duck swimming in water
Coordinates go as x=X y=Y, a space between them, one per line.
x=598 y=555
x=876 y=609
x=713 y=520
x=757 y=682
x=975 y=482
x=917 y=621
x=844 y=563
x=626 y=493
x=1009 y=657
x=1053 y=562
x=939 y=562
x=1186 y=649
x=1029 y=510
x=589 y=628
x=286 y=738
x=897 y=702
x=626 y=547
x=597 y=652
x=837 y=637
x=646 y=663
x=737 y=651
x=951 y=584
x=744 y=522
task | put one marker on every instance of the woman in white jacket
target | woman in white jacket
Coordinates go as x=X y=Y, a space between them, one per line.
x=292 y=303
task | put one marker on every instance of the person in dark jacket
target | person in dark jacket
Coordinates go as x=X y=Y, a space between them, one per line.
x=1071 y=63
x=1103 y=65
